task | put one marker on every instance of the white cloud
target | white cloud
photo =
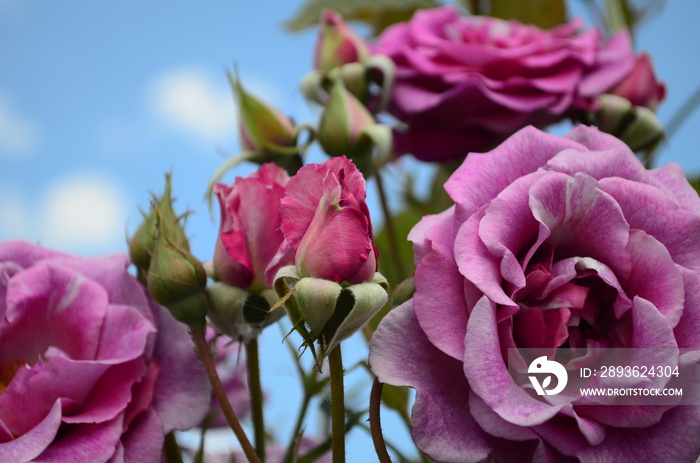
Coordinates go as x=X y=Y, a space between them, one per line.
x=83 y=212
x=18 y=134
x=189 y=99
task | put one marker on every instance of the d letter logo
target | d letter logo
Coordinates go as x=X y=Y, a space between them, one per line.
x=550 y=367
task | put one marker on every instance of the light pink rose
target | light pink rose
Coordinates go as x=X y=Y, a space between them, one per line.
x=553 y=242
x=326 y=220
x=91 y=369
x=641 y=87
x=251 y=247
x=465 y=83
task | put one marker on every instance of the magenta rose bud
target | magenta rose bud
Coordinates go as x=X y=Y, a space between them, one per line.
x=337 y=44
x=554 y=243
x=251 y=246
x=91 y=368
x=641 y=87
x=465 y=83
x=326 y=220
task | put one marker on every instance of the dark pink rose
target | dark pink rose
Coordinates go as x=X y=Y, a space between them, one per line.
x=641 y=87
x=326 y=220
x=251 y=247
x=91 y=369
x=553 y=242
x=465 y=83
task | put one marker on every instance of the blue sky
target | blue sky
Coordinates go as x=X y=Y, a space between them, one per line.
x=99 y=99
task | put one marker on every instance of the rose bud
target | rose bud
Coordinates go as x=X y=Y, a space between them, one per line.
x=326 y=221
x=176 y=279
x=637 y=126
x=347 y=128
x=251 y=247
x=239 y=314
x=266 y=133
x=142 y=242
x=337 y=44
x=325 y=311
x=641 y=86
x=333 y=289
x=260 y=123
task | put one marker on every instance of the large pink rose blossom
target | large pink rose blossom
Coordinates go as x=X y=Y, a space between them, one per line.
x=553 y=242
x=251 y=247
x=91 y=369
x=465 y=83
x=326 y=220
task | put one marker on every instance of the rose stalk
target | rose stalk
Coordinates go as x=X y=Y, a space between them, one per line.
x=333 y=288
x=249 y=251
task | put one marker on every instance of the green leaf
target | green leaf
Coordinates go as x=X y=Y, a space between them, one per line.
x=695 y=182
x=542 y=13
x=379 y=14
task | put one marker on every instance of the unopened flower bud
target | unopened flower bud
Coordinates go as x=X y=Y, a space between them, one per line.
x=641 y=87
x=337 y=44
x=326 y=312
x=614 y=114
x=262 y=127
x=347 y=128
x=142 y=242
x=176 y=279
x=635 y=125
x=240 y=314
x=644 y=131
x=141 y=245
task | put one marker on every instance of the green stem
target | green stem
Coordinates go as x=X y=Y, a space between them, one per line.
x=335 y=361
x=256 y=397
x=203 y=349
x=375 y=422
x=171 y=449
x=690 y=105
x=390 y=230
x=289 y=456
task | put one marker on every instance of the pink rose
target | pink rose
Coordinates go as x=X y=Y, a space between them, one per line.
x=326 y=220
x=91 y=369
x=553 y=242
x=465 y=83
x=641 y=87
x=251 y=247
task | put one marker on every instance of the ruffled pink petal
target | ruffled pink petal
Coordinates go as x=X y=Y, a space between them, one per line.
x=442 y=424
x=29 y=445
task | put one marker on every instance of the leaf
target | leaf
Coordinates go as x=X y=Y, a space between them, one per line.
x=379 y=14
x=546 y=382
x=542 y=13
x=695 y=182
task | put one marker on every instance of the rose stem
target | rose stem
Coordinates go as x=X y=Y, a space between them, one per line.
x=375 y=422
x=171 y=449
x=203 y=349
x=297 y=428
x=256 y=397
x=391 y=231
x=335 y=361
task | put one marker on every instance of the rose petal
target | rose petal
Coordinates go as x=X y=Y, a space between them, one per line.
x=442 y=425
